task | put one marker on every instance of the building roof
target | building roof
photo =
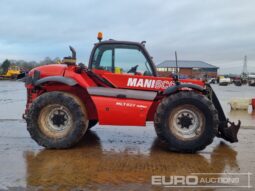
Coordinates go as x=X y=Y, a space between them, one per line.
x=185 y=64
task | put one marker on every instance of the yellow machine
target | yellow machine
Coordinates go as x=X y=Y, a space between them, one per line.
x=118 y=70
x=12 y=72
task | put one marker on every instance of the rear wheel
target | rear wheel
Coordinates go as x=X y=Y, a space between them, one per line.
x=186 y=121
x=92 y=123
x=57 y=120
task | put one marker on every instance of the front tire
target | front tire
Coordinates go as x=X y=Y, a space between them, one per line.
x=186 y=121
x=57 y=120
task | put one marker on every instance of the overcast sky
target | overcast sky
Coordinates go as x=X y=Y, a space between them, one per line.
x=218 y=32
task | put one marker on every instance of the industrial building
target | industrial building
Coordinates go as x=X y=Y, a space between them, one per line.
x=187 y=69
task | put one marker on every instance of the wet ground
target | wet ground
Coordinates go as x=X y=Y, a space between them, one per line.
x=114 y=158
x=226 y=93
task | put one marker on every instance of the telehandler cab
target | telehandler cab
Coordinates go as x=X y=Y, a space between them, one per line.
x=120 y=87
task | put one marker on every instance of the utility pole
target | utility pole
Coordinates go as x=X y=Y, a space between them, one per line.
x=245 y=70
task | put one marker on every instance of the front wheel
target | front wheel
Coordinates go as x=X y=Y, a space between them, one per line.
x=57 y=120
x=186 y=121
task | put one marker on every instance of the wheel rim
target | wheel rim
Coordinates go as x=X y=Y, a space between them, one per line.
x=186 y=122
x=55 y=121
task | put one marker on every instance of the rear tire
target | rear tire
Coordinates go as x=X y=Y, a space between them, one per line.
x=57 y=120
x=186 y=121
x=92 y=123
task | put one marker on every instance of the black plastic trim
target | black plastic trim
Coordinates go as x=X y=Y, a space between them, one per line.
x=174 y=89
x=60 y=79
x=122 y=93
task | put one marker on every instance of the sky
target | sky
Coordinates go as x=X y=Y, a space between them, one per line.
x=217 y=32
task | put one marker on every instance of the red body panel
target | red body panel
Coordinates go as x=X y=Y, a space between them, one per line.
x=50 y=70
x=109 y=110
x=115 y=111
x=140 y=82
x=83 y=79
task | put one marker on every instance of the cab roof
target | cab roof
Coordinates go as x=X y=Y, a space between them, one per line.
x=112 y=41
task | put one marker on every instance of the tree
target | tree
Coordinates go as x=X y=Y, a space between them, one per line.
x=47 y=60
x=5 y=66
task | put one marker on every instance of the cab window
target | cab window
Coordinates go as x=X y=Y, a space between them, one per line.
x=121 y=59
x=102 y=59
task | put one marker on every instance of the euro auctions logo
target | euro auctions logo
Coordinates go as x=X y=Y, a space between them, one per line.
x=205 y=180
x=174 y=180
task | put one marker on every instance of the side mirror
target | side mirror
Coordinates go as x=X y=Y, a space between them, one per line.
x=133 y=69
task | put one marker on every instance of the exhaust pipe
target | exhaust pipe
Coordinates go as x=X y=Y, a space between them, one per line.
x=70 y=60
x=73 y=52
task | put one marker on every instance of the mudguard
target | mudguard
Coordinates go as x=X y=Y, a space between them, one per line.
x=174 y=89
x=60 y=79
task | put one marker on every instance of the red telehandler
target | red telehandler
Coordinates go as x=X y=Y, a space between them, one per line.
x=120 y=87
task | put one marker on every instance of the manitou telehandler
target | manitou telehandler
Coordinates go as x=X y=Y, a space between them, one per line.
x=120 y=87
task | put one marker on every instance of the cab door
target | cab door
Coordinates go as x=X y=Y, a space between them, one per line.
x=117 y=63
